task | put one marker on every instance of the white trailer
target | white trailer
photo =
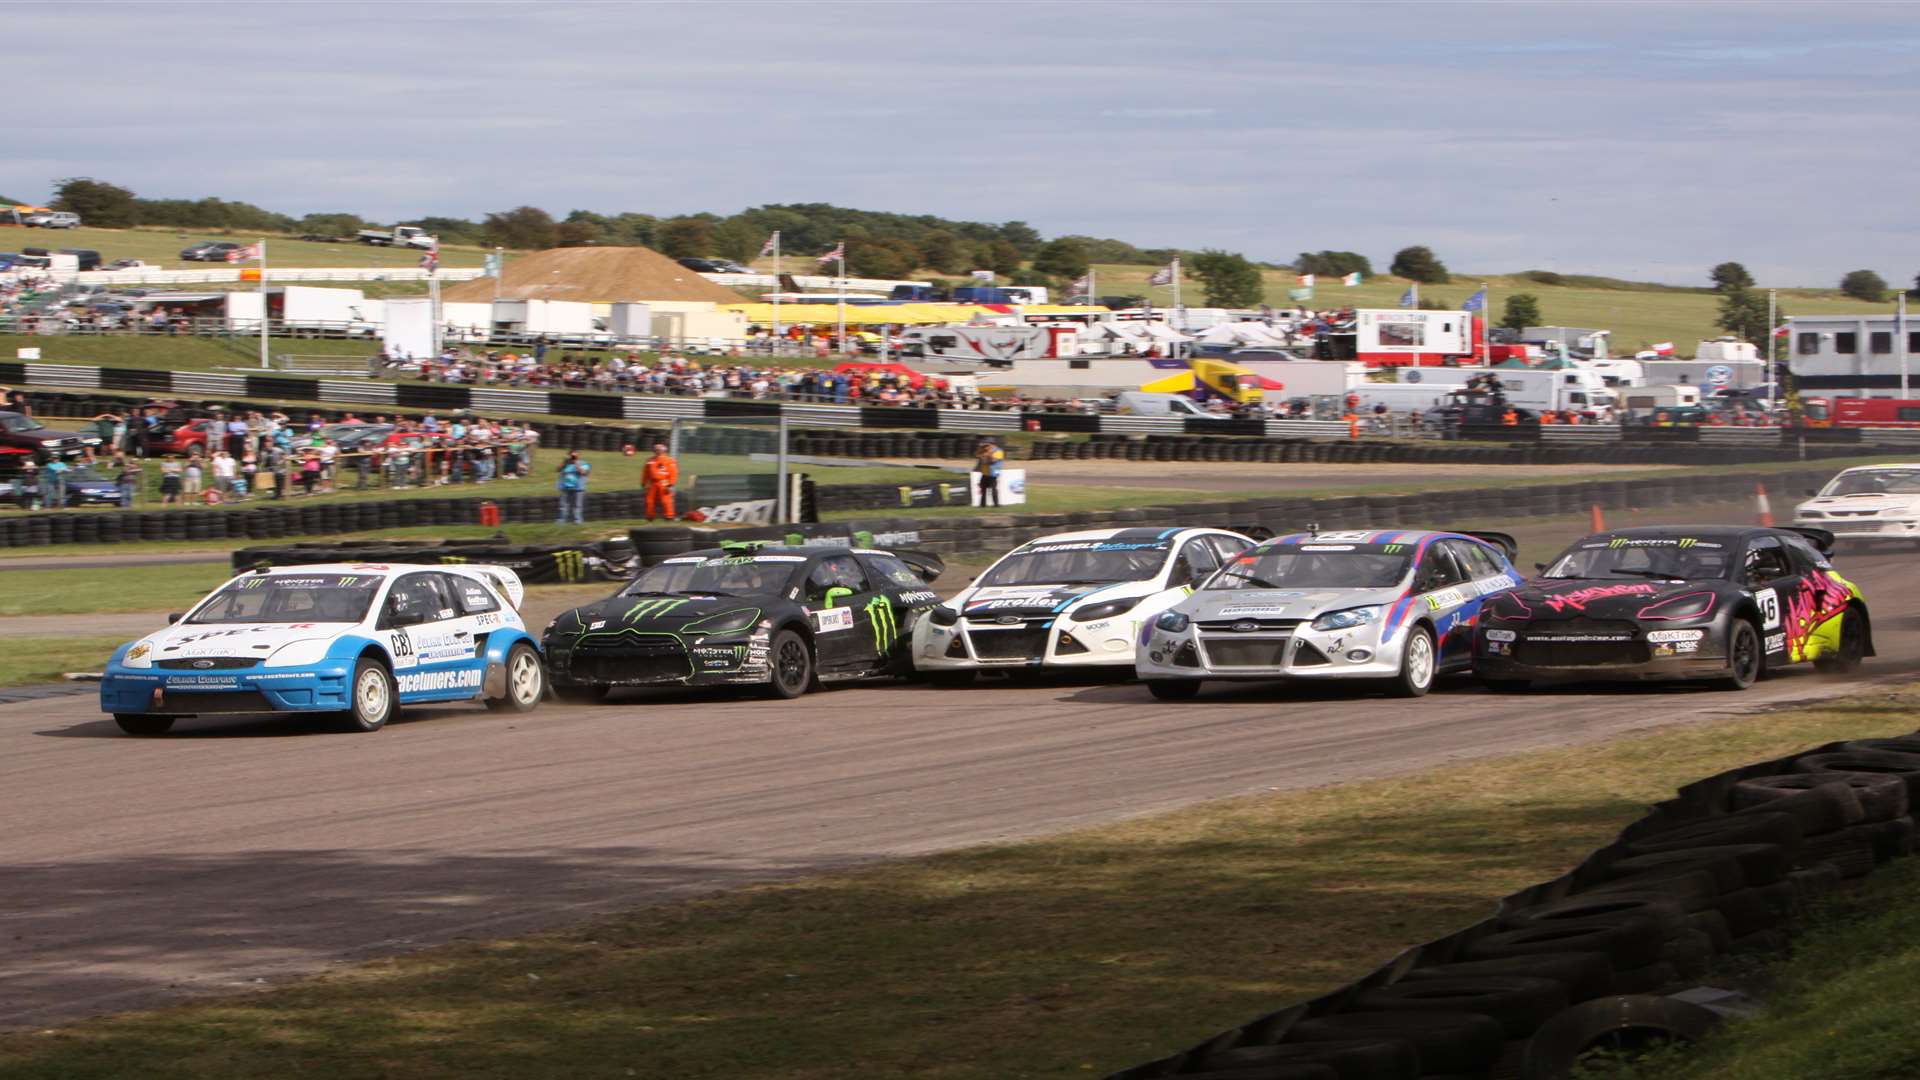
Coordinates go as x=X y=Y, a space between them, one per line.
x=999 y=346
x=1403 y=397
x=306 y=309
x=565 y=319
x=467 y=323
x=1303 y=378
x=1534 y=389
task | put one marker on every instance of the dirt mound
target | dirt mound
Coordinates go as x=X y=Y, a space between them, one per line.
x=595 y=275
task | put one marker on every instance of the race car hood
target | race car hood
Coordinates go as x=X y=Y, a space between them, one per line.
x=1281 y=603
x=1033 y=601
x=188 y=641
x=1863 y=505
x=1561 y=600
x=652 y=614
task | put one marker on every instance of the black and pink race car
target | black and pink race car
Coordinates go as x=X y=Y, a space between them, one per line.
x=1676 y=602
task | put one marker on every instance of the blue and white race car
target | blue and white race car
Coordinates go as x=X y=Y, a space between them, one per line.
x=357 y=640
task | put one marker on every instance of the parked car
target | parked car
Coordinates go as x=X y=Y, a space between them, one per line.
x=52 y=219
x=715 y=266
x=126 y=264
x=211 y=251
x=23 y=432
x=88 y=258
x=182 y=438
x=86 y=486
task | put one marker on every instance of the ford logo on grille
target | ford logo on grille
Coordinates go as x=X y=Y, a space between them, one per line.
x=1009 y=619
x=203 y=663
x=1244 y=627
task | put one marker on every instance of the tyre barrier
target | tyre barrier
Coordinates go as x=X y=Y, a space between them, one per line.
x=536 y=564
x=1587 y=961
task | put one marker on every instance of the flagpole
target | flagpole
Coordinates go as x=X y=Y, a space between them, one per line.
x=1773 y=373
x=1179 y=309
x=263 y=304
x=433 y=304
x=1486 y=324
x=1900 y=338
x=499 y=271
x=841 y=292
x=776 y=288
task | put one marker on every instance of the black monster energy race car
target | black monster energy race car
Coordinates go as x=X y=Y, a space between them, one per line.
x=787 y=618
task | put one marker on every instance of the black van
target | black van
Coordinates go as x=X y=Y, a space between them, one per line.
x=89 y=258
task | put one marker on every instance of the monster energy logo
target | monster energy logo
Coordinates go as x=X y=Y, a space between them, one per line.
x=347 y=582
x=1688 y=541
x=886 y=625
x=571 y=564
x=1393 y=549
x=453 y=558
x=253 y=583
x=647 y=609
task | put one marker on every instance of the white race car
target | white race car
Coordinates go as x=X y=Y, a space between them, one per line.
x=357 y=640
x=1871 y=502
x=1069 y=600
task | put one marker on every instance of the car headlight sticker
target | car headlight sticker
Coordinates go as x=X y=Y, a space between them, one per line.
x=1105 y=610
x=1351 y=617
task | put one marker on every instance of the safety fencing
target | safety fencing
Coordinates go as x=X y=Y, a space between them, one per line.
x=234 y=274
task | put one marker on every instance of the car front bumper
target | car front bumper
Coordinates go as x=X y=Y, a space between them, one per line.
x=1302 y=653
x=984 y=645
x=1635 y=660
x=1865 y=529
x=171 y=692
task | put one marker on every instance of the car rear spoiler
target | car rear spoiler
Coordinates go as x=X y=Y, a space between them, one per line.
x=1253 y=532
x=1821 y=538
x=1503 y=541
x=925 y=563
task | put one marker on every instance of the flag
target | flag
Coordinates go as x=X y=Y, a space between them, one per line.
x=839 y=252
x=1663 y=348
x=1476 y=302
x=1300 y=294
x=983 y=275
x=1410 y=298
x=1305 y=281
x=1081 y=284
x=1166 y=274
x=491 y=268
x=431 y=260
x=251 y=251
x=1783 y=330
x=772 y=243
x=1351 y=279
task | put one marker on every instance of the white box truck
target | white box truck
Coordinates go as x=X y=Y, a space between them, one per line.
x=1534 y=389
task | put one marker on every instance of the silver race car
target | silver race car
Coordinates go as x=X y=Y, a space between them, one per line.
x=1394 y=606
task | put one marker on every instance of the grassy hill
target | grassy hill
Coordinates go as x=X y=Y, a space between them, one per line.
x=161 y=247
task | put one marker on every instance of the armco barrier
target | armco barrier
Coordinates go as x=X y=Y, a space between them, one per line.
x=1564 y=966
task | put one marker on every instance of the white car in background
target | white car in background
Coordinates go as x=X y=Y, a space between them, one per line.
x=1070 y=600
x=1870 y=502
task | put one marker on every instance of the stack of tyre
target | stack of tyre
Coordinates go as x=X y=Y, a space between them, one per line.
x=1585 y=961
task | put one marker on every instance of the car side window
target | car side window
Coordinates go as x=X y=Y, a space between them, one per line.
x=1766 y=560
x=1479 y=560
x=1807 y=555
x=416 y=599
x=1229 y=547
x=835 y=572
x=894 y=572
x=1195 y=563
x=475 y=598
x=1438 y=570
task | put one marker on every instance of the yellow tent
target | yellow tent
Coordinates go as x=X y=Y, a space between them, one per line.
x=875 y=314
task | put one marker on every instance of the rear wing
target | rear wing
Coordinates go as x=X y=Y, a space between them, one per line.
x=925 y=563
x=1820 y=538
x=1506 y=543
x=504 y=581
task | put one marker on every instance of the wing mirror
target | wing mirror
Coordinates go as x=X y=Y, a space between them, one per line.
x=1540 y=566
x=175 y=616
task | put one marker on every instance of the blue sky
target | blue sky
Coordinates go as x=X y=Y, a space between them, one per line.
x=1645 y=140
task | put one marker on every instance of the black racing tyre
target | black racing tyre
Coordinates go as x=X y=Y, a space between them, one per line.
x=1605 y=907
x=371 y=697
x=1623 y=1023
x=1690 y=952
x=1853 y=645
x=1851 y=851
x=1520 y=1002
x=526 y=681
x=1446 y=1041
x=1693 y=888
x=1359 y=1059
x=1744 y=659
x=791 y=660
x=1419 y=665
x=1812 y=883
x=1747 y=912
x=1652 y=978
x=1584 y=975
x=1714 y=925
x=1882 y=797
x=1759 y=827
x=948 y=678
x=1629 y=941
x=1898 y=744
x=1891 y=839
x=581 y=693
x=1173 y=689
x=143 y=723
x=1882 y=762
x=1734 y=866
x=1295 y=1071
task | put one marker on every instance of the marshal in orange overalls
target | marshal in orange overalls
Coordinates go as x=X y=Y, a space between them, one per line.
x=660 y=474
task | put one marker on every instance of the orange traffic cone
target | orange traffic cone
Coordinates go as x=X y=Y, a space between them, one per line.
x=1599 y=521
x=1761 y=504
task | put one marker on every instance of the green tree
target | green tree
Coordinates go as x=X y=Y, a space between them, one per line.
x=1522 y=310
x=97 y=202
x=1227 y=279
x=1332 y=263
x=1743 y=313
x=685 y=238
x=341 y=224
x=881 y=257
x=581 y=228
x=1912 y=294
x=1002 y=258
x=737 y=239
x=1730 y=275
x=1021 y=235
x=1064 y=258
x=1419 y=263
x=452 y=230
x=525 y=227
x=1865 y=285
x=941 y=250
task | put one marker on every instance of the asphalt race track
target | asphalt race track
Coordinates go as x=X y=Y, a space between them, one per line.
x=240 y=852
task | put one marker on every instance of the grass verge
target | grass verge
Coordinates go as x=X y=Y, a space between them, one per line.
x=1070 y=956
x=163 y=587
x=26 y=661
